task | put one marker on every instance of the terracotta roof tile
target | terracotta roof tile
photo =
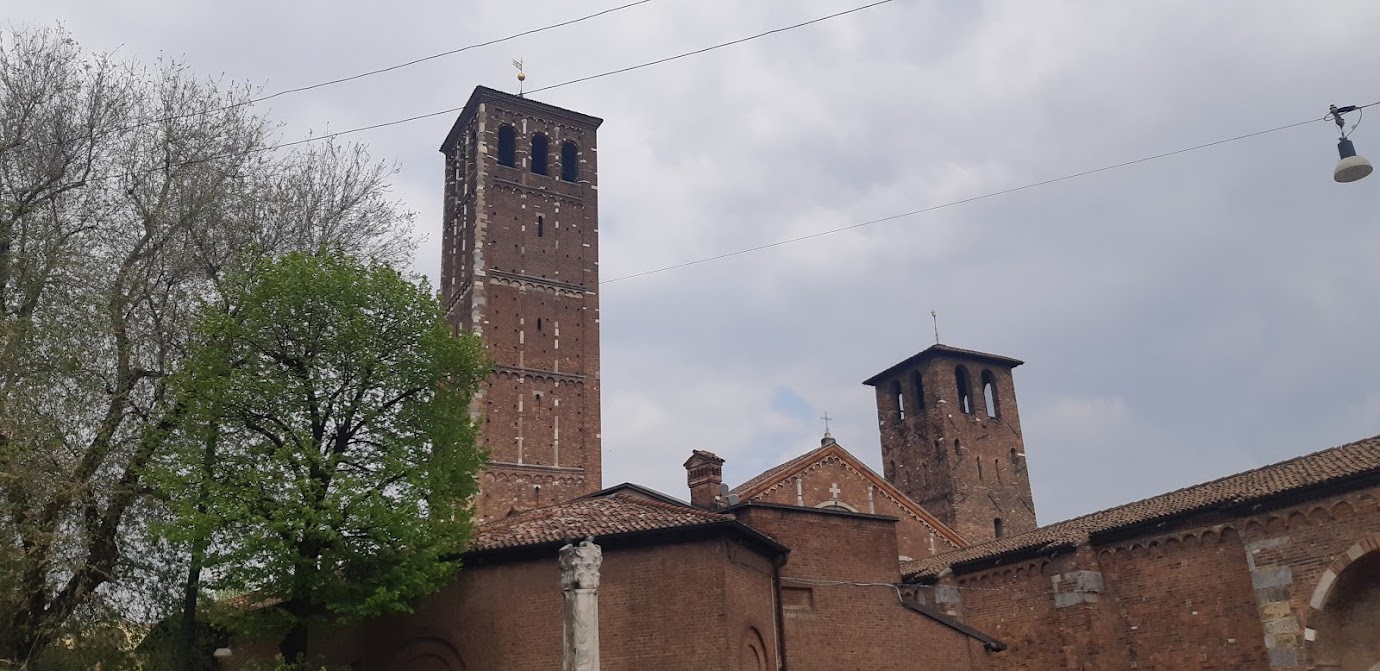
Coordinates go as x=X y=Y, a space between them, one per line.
x=600 y=516
x=1353 y=459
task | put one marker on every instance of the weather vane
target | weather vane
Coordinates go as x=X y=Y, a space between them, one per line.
x=522 y=76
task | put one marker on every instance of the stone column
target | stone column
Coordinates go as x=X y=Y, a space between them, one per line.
x=580 y=583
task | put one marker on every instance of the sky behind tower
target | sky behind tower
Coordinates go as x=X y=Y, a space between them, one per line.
x=1181 y=319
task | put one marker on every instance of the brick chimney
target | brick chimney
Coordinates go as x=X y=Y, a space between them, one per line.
x=704 y=472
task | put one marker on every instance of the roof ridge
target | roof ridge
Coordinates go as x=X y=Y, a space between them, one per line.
x=1359 y=457
x=650 y=503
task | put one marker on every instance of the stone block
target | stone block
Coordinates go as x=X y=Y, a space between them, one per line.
x=1275 y=576
x=1285 y=625
x=1283 y=658
x=1275 y=610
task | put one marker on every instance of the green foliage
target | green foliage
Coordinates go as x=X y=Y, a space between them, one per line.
x=334 y=406
x=117 y=219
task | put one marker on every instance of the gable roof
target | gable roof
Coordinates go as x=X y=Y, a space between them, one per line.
x=774 y=476
x=617 y=514
x=635 y=490
x=942 y=350
x=1360 y=459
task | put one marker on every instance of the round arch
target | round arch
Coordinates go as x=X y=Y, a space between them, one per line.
x=836 y=505
x=427 y=654
x=753 y=655
x=1344 y=612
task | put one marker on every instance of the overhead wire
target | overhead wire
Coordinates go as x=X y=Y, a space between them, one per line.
x=378 y=71
x=747 y=250
x=721 y=45
x=970 y=199
x=452 y=110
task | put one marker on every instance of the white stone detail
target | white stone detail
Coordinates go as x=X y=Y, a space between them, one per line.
x=580 y=585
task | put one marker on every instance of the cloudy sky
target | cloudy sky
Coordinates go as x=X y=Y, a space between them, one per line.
x=1181 y=319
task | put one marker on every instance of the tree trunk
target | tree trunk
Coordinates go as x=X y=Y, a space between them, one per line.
x=294 y=644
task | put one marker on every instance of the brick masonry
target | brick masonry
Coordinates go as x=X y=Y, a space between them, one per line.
x=1214 y=591
x=507 y=615
x=832 y=479
x=520 y=268
x=840 y=601
x=957 y=455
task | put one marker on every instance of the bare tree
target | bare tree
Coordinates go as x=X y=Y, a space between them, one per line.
x=119 y=212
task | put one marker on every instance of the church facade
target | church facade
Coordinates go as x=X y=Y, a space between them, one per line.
x=821 y=563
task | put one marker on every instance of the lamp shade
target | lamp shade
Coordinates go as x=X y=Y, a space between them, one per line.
x=1351 y=167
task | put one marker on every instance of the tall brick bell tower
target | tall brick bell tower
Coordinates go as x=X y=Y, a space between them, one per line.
x=951 y=440
x=519 y=267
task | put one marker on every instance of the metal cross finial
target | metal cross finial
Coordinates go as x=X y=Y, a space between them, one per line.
x=826 y=419
x=935 y=316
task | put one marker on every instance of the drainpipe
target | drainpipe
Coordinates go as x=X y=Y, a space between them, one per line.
x=780 y=616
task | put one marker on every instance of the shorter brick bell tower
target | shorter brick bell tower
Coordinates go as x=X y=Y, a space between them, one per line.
x=951 y=440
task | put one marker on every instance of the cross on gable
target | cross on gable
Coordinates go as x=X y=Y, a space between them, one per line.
x=834 y=490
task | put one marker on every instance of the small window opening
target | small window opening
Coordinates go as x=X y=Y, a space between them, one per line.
x=997 y=528
x=979 y=465
x=541 y=226
x=989 y=394
x=507 y=146
x=539 y=150
x=891 y=471
x=898 y=402
x=570 y=162
x=538 y=323
x=919 y=390
x=965 y=396
x=958 y=447
x=1013 y=455
x=996 y=468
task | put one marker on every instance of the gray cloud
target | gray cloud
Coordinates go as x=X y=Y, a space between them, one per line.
x=1182 y=319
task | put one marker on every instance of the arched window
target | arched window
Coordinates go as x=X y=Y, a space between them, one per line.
x=1013 y=455
x=898 y=401
x=541 y=226
x=997 y=529
x=989 y=394
x=958 y=447
x=539 y=151
x=996 y=468
x=965 y=394
x=570 y=162
x=507 y=146
x=918 y=389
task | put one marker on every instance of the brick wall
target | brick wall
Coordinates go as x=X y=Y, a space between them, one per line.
x=520 y=257
x=831 y=482
x=968 y=468
x=509 y=616
x=832 y=625
x=1213 y=592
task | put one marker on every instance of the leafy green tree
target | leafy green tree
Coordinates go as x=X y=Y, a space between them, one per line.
x=343 y=447
x=125 y=191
